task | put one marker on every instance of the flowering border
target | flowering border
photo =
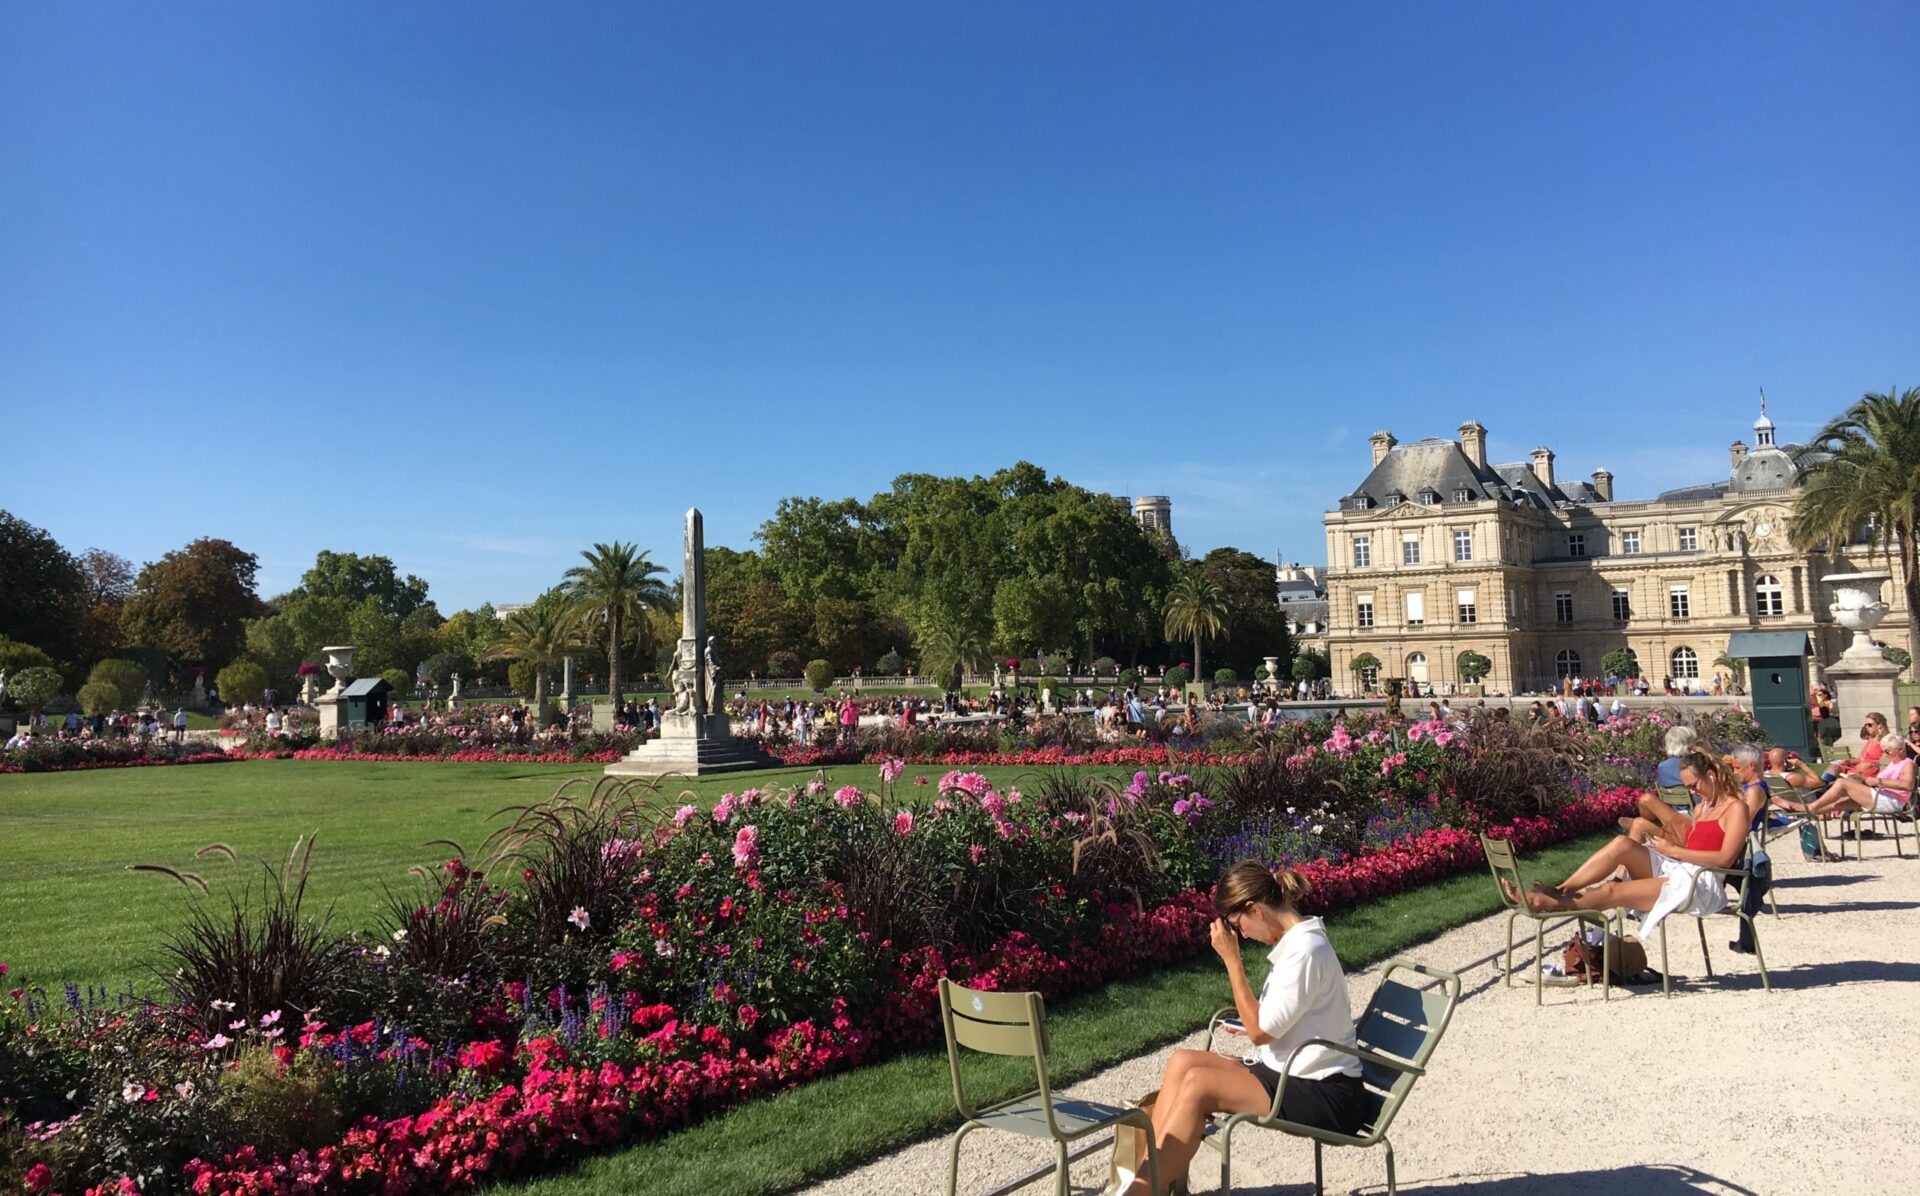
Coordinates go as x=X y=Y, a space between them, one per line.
x=143 y=762
x=559 y=1109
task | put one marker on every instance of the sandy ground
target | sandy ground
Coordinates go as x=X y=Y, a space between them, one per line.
x=1723 y=1088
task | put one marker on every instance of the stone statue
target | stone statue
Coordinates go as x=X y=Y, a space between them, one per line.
x=716 y=698
x=683 y=683
x=3 y=685
x=454 y=694
x=997 y=683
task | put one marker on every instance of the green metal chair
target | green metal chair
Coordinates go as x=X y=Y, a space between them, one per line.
x=1676 y=796
x=1015 y=1024
x=1505 y=864
x=1857 y=820
x=1395 y=1036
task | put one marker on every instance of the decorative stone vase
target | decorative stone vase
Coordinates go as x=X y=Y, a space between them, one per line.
x=340 y=664
x=1273 y=673
x=1858 y=608
x=309 y=688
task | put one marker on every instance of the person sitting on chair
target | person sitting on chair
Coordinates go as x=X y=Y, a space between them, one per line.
x=1890 y=789
x=1664 y=874
x=1652 y=811
x=1304 y=997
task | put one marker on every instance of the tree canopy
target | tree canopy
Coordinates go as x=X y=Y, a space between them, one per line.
x=193 y=603
x=43 y=591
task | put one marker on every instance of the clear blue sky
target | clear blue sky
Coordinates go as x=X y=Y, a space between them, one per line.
x=473 y=285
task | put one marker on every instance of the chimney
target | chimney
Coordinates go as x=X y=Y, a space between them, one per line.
x=1739 y=452
x=1543 y=467
x=1603 y=484
x=1382 y=442
x=1473 y=441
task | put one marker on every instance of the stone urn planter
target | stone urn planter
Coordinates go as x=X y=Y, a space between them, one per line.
x=340 y=664
x=1857 y=606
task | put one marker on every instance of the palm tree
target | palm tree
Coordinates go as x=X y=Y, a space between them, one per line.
x=1865 y=473
x=950 y=650
x=1197 y=608
x=541 y=635
x=616 y=583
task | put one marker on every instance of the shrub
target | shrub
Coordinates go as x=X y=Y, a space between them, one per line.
x=34 y=688
x=1261 y=673
x=784 y=664
x=1473 y=666
x=1311 y=666
x=1028 y=668
x=890 y=665
x=401 y=681
x=241 y=682
x=96 y=697
x=17 y=657
x=1106 y=666
x=279 y=1108
x=521 y=676
x=1129 y=678
x=1227 y=676
x=1620 y=662
x=1177 y=678
x=440 y=668
x=126 y=677
x=1897 y=656
x=1054 y=664
x=819 y=675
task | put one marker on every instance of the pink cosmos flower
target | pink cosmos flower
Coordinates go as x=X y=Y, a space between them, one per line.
x=903 y=823
x=848 y=796
x=685 y=814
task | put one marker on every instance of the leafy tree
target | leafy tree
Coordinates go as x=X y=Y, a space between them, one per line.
x=469 y=634
x=1735 y=666
x=1864 y=472
x=1196 y=608
x=1256 y=626
x=1473 y=666
x=1224 y=677
x=950 y=653
x=242 y=682
x=540 y=635
x=16 y=656
x=1364 y=662
x=399 y=680
x=353 y=579
x=783 y=664
x=441 y=666
x=109 y=581
x=890 y=665
x=819 y=675
x=34 y=688
x=749 y=611
x=523 y=678
x=848 y=632
x=194 y=602
x=42 y=588
x=610 y=590
x=97 y=697
x=1106 y=666
x=126 y=677
x=1620 y=662
x=274 y=645
x=1030 y=612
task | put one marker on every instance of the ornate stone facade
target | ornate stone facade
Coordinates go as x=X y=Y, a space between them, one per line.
x=1437 y=552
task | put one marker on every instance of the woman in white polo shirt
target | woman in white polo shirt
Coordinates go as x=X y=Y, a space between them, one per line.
x=1304 y=997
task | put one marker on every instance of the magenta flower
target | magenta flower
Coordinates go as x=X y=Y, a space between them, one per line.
x=746 y=846
x=848 y=796
x=903 y=823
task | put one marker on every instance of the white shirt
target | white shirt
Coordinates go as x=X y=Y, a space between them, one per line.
x=1305 y=997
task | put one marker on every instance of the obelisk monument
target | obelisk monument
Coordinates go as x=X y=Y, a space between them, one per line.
x=695 y=738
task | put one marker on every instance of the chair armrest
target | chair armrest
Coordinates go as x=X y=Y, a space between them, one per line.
x=1400 y=1065
x=1737 y=873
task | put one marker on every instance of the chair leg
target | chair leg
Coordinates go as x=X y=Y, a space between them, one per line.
x=1700 y=924
x=1393 y=1188
x=953 y=1159
x=1773 y=901
x=1760 y=957
x=1319 y=1181
x=1060 y=1171
x=1666 y=966
x=1606 y=962
x=1226 y=1161
x=1539 y=962
x=1511 y=915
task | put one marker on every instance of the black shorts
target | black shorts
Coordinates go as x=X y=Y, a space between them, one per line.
x=1340 y=1102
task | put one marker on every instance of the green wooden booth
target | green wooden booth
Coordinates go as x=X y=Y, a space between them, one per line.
x=1777 y=679
x=366 y=701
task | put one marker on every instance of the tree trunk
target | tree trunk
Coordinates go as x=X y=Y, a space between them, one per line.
x=1910 y=579
x=613 y=656
x=1197 y=675
x=539 y=688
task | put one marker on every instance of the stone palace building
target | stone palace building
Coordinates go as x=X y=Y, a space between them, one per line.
x=1439 y=552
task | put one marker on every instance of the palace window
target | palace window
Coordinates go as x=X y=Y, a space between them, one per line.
x=1463 y=545
x=1622 y=607
x=1410 y=548
x=1768 y=598
x=1630 y=543
x=1463 y=495
x=1567 y=663
x=1686 y=663
x=1363 y=611
x=1576 y=544
x=1362 y=552
x=1466 y=606
x=1563 y=606
x=1679 y=605
x=1416 y=609
x=1689 y=539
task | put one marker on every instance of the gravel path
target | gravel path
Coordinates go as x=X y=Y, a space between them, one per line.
x=1723 y=1088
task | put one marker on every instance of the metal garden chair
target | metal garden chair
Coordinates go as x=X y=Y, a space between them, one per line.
x=1015 y=1024
x=1505 y=864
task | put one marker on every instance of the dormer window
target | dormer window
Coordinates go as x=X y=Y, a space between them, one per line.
x=1463 y=495
x=1429 y=497
x=1393 y=500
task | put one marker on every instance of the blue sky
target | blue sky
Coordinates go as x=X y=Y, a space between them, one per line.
x=475 y=285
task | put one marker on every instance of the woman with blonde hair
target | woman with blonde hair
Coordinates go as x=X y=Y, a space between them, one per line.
x=1888 y=790
x=1304 y=997
x=1664 y=874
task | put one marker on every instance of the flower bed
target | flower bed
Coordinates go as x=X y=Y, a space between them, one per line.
x=639 y=970
x=451 y=744
x=68 y=754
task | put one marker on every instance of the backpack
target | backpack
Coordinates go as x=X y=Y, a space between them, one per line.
x=1582 y=957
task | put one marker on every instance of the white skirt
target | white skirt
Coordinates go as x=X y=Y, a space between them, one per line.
x=1686 y=890
x=1887 y=803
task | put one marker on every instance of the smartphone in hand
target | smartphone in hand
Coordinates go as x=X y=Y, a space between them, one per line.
x=1233 y=1025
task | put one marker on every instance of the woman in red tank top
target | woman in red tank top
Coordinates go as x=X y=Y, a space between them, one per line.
x=1663 y=874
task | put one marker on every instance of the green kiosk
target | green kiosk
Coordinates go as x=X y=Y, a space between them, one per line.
x=366 y=701
x=1777 y=681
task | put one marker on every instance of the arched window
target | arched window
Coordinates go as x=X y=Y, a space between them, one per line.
x=1568 y=663
x=1417 y=667
x=1686 y=664
x=1767 y=598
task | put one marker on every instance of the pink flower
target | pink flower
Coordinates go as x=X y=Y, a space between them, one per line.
x=903 y=823
x=746 y=846
x=891 y=770
x=848 y=796
x=685 y=814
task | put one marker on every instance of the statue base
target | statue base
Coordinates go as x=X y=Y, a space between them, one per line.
x=691 y=745
x=332 y=708
x=1862 y=687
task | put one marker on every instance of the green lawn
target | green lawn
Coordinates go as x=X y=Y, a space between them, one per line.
x=822 y=1129
x=69 y=909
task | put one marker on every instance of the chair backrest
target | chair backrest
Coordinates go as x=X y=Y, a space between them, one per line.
x=1405 y=1020
x=1677 y=797
x=995 y=1023
x=1504 y=862
x=1777 y=785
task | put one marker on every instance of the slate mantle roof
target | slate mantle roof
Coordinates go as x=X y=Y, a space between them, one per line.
x=1440 y=466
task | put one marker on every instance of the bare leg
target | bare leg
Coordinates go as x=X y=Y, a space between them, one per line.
x=1601 y=864
x=1847 y=793
x=1207 y=1084
x=1637 y=895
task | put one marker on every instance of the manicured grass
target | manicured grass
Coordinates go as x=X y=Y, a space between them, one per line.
x=69 y=909
x=821 y=1129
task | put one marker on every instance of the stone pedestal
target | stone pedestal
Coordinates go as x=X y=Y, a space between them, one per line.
x=691 y=745
x=1861 y=687
x=333 y=709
